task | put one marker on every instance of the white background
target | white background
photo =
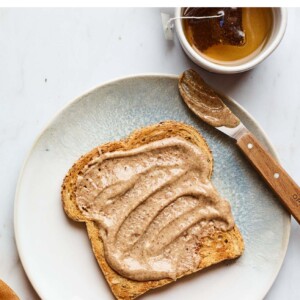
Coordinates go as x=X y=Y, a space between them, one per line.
x=50 y=56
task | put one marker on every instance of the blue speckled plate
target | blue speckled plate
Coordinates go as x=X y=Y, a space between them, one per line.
x=56 y=252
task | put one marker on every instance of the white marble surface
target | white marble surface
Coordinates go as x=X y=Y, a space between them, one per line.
x=50 y=56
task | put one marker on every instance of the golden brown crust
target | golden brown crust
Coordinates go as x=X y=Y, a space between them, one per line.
x=212 y=249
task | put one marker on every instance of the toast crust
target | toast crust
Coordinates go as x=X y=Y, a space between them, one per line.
x=212 y=249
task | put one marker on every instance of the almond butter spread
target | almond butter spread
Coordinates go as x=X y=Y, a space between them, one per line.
x=152 y=205
x=204 y=101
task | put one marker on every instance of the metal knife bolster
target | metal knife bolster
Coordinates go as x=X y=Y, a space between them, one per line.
x=235 y=132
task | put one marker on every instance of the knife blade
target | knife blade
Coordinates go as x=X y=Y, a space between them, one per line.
x=209 y=107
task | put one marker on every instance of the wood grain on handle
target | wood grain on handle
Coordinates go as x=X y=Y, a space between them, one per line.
x=278 y=179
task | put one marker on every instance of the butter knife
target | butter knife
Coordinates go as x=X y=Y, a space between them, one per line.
x=209 y=107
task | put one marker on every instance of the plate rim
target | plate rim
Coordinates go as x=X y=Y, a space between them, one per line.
x=17 y=239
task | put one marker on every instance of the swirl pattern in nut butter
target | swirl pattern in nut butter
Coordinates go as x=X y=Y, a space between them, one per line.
x=152 y=205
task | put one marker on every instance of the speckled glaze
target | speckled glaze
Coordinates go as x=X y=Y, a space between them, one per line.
x=50 y=244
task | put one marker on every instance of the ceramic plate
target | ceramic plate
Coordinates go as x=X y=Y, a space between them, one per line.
x=56 y=252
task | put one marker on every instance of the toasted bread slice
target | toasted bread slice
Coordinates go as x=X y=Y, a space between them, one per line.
x=213 y=249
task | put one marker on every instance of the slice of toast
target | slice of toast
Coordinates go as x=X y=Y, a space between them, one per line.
x=213 y=248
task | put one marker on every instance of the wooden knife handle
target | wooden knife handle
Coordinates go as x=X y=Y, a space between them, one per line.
x=278 y=179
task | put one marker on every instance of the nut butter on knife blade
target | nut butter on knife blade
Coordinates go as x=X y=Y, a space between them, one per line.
x=209 y=107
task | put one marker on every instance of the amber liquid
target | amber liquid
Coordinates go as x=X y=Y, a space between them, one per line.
x=257 y=25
